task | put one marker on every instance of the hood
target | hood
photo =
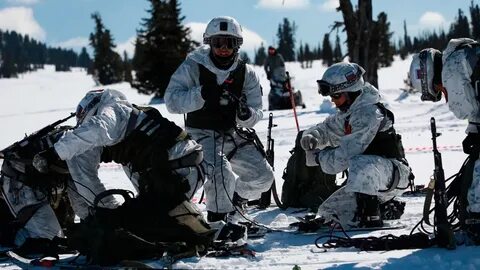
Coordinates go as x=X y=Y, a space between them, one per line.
x=201 y=56
x=369 y=96
x=453 y=44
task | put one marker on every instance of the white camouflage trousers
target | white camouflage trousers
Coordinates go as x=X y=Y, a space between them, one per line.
x=247 y=172
x=473 y=195
x=368 y=174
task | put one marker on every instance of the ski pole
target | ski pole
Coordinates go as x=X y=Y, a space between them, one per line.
x=292 y=100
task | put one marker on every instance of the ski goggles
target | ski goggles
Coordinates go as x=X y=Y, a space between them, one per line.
x=83 y=109
x=327 y=89
x=228 y=42
x=422 y=74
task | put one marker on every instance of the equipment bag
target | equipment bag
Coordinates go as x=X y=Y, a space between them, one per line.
x=133 y=231
x=305 y=186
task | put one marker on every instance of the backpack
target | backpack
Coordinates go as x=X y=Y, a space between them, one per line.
x=305 y=186
x=133 y=231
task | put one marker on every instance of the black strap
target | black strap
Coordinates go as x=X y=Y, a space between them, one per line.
x=395 y=179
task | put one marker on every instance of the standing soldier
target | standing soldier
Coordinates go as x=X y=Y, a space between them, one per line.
x=221 y=95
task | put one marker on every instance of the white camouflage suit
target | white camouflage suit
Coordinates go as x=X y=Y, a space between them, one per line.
x=463 y=102
x=248 y=172
x=337 y=151
x=81 y=148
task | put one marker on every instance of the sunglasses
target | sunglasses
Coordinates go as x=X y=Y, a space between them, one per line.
x=326 y=89
x=336 y=96
x=224 y=41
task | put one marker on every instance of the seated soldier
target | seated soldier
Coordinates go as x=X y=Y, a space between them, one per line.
x=31 y=201
x=360 y=137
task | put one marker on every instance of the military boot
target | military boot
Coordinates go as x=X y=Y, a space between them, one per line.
x=368 y=211
x=472 y=227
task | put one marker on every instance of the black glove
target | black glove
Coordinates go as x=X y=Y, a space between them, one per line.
x=471 y=144
x=268 y=76
x=42 y=161
x=211 y=93
x=243 y=111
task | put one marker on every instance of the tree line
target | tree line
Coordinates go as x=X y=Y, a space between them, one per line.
x=163 y=42
x=459 y=28
x=20 y=53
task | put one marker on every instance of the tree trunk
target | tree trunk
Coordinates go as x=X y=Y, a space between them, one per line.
x=361 y=42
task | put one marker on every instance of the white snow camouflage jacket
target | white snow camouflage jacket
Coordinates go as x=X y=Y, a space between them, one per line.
x=456 y=72
x=365 y=120
x=183 y=94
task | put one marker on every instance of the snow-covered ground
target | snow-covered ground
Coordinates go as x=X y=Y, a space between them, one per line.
x=39 y=98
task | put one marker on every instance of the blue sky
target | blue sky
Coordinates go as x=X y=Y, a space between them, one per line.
x=67 y=23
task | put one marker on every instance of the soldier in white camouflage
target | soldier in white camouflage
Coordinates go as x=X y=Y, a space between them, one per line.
x=455 y=72
x=359 y=138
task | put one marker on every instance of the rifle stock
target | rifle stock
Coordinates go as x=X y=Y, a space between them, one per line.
x=443 y=232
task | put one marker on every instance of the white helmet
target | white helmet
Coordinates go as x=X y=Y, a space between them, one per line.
x=88 y=105
x=223 y=26
x=341 y=77
x=422 y=73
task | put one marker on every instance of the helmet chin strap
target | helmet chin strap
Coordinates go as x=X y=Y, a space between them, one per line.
x=223 y=62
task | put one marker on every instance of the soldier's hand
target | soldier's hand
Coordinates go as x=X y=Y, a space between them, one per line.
x=42 y=161
x=243 y=111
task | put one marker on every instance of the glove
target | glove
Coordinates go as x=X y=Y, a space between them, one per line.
x=211 y=93
x=268 y=76
x=243 y=111
x=42 y=161
x=311 y=158
x=309 y=141
x=471 y=144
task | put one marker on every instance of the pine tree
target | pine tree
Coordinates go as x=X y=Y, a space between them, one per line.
x=327 y=53
x=475 y=17
x=337 y=52
x=286 y=39
x=385 y=48
x=161 y=46
x=107 y=64
x=308 y=56
x=84 y=59
x=301 y=55
x=260 y=56
x=460 y=28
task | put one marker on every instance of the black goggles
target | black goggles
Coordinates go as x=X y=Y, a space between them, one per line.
x=422 y=74
x=325 y=88
x=228 y=42
x=81 y=111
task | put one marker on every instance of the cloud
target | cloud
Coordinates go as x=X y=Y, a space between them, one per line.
x=73 y=43
x=128 y=46
x=329 y=5
x=21 y=20
x=431 y=19
x=22 y=2
x=251 y=39
x=283 y=4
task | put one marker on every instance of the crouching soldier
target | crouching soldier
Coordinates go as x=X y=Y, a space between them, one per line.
x=360 y=137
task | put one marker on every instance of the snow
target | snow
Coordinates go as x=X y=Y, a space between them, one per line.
x=39 y=98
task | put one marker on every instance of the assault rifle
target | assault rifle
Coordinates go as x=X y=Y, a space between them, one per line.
x=443 y=232
x=4 y=154
x=265 y=199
